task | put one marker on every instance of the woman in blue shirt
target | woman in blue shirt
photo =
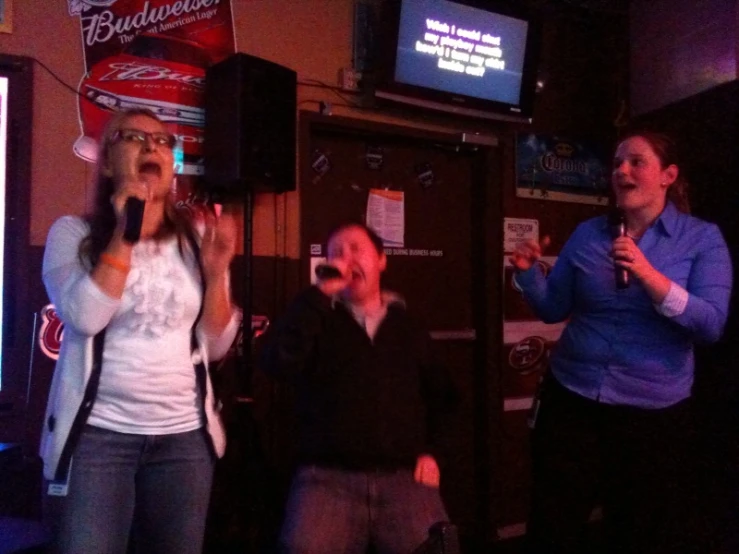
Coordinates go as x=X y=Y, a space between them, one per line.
x=615 y=413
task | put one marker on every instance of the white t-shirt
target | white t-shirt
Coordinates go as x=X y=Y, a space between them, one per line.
x=147 y=382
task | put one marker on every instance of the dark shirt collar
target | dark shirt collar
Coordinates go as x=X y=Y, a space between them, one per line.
x=388 y=297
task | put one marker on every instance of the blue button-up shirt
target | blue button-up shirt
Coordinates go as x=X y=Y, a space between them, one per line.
x=618 y=347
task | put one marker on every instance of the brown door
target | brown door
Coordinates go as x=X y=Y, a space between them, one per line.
x=445 y=268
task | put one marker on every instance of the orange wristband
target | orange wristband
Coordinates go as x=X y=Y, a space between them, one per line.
x=115 y=263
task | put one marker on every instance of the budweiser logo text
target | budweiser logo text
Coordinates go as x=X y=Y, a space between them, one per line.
x=105 y=25
x=147 y=72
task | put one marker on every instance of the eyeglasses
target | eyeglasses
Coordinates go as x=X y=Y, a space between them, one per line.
x=136 y=136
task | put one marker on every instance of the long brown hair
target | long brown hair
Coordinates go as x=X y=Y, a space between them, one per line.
x=102 y=218
x=666 y=150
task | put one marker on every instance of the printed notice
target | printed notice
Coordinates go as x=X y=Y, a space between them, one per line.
x=386 y=216
x=516 y=231
x=314 y=262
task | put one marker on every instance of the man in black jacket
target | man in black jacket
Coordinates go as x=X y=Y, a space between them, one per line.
x=368 y=403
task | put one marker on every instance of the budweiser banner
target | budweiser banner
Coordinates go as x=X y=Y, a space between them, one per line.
x=151 y=54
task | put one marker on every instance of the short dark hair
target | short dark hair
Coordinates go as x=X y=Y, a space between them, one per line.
x=372 y=235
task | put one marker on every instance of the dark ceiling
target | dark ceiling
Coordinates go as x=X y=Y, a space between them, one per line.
x=615 y=7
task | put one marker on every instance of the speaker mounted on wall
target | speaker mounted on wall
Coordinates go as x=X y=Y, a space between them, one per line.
x=250 y=127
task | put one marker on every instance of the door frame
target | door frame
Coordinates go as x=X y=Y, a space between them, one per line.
x=486 y=211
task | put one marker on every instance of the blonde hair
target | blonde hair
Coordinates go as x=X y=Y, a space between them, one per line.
x=102 y=217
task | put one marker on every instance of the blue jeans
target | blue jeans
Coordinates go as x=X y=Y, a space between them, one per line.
x=333 y=511
x=153 y=488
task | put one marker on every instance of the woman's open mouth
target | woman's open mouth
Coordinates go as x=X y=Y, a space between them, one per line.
x=151 y=169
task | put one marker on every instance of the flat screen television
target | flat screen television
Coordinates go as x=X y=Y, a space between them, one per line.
x=469 y=57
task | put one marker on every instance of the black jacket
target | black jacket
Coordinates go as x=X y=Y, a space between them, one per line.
x=360 y=404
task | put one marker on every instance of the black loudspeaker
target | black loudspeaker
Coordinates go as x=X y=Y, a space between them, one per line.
x=250 y=119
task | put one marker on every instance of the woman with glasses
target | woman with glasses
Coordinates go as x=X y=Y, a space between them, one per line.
x=131 y=429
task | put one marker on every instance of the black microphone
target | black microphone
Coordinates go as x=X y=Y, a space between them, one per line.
x=326 y=271
x=617 y=224
x=134 y=218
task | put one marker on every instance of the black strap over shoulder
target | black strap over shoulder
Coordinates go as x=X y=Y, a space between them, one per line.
x=201 y=373
x=88 y=400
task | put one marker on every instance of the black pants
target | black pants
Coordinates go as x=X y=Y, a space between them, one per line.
x=635 y=462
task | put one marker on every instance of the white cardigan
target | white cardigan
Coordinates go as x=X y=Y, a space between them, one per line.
x=85 y=311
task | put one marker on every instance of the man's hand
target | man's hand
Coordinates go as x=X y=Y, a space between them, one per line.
x=427 y=471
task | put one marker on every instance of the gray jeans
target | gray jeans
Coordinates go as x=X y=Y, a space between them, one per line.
x=334 y=511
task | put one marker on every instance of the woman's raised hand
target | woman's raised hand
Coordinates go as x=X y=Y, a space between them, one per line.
x=219 y=244
x=527 y=253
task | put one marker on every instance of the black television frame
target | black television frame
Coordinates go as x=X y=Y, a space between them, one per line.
x=17 y=313
x=388 y=88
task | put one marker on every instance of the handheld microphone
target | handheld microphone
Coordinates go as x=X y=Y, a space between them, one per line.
x=134 y=218
x=326 y=271
x=617 y=224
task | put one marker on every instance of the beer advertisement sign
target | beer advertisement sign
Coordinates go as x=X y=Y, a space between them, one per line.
x=150 y=54
x=556 y=167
